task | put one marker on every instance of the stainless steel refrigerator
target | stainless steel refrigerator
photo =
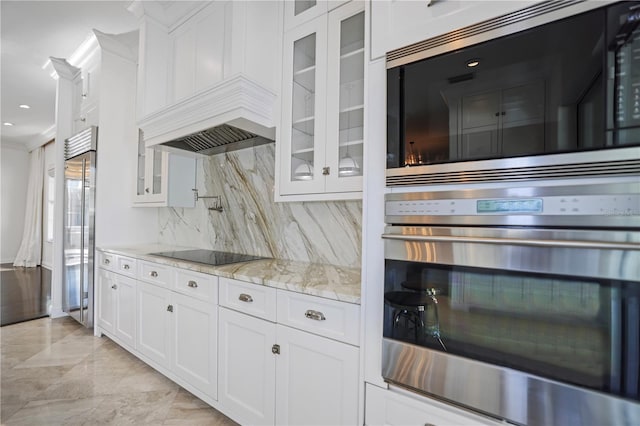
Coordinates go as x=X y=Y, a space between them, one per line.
x=79 y=223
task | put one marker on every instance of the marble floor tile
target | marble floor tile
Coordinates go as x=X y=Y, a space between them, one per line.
x=55 y=372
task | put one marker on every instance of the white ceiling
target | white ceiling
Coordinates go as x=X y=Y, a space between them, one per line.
x=31 y=32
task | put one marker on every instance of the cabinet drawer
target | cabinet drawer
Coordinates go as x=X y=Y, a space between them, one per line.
x=252 y=299
x=197 y=285
x=154 y=273
x=329 y=318
x=107 y=261
x=127 y=266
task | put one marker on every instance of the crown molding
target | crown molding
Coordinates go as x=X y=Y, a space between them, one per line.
x=124 y=45
x=64 y=69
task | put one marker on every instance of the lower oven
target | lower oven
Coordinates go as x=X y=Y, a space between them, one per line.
x=520 y=303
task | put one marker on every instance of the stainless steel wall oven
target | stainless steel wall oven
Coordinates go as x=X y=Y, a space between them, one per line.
x=517 y=291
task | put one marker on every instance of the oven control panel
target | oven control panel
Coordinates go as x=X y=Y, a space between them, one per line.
x=590 y=205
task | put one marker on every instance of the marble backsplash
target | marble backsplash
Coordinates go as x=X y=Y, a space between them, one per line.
x=252 y=223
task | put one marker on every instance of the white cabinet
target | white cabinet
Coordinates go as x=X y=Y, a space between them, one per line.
x=163 y=179
x=322 y=140
x=316 y=380
x=177 y=331
x=154 y=323
x=116 y=304
x=195 y=342
x=396 y=408
x=247 y=368
x=271 y=373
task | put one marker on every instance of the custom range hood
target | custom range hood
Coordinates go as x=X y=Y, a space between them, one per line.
x=236 y=113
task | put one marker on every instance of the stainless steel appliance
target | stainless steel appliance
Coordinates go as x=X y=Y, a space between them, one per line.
x=79 y=232
x=550 y=91
x=522 y=303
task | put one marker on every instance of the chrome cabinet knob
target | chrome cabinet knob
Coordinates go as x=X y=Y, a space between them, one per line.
x=107 y=261
x=315 y=315
x=193 y=284
x=245 y=298
x=170 y=308
x=326 y=171
x=125 y=267
x=114 y=287
x=275 y=349
x=153 y=274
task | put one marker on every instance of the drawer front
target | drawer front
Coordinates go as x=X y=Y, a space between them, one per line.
x=248 y=298
x=329 y=318
x=107 y=261
x=127 y=266
x=154 y=273
x=197 y=285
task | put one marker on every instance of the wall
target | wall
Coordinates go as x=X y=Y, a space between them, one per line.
x=13 y=198
x=252 y=223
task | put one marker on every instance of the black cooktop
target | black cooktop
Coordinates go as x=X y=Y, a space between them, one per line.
x=208 y=257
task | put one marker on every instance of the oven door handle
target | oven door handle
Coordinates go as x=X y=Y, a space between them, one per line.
x=515 y=241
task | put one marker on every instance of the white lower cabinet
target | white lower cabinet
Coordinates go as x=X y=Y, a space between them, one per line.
x=316 y=380
x=247 y=368
x=275 y=374
x=179 y=332
x=195 y=342
x=387 y=407
x=154 y=323
x=117 y=306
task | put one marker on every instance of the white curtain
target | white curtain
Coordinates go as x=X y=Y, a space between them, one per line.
x=30 y=252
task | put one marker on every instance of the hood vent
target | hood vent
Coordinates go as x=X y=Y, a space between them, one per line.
x=218 y=139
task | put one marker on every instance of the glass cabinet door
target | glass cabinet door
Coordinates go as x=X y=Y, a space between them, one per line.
x=156 y=185
x=304 y=108
x=140 y=175
x=345 y=109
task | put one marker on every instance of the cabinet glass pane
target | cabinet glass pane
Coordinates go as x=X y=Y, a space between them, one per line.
x=157 y=172
x=351 y=96
x=141 y=167
x=302 y=5
x=303 y=108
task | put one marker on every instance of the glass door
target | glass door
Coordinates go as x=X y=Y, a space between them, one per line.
x=345 y=108
x=141 y=164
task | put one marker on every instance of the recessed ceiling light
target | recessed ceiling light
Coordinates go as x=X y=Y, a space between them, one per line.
x=24 y=106
x=6 y=123
x=473 y=63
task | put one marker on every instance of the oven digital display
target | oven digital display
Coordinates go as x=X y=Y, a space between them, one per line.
x=519 y=205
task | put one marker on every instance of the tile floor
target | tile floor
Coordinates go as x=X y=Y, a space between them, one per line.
x=55 y=372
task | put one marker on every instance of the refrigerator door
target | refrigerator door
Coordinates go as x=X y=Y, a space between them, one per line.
x=79 y=242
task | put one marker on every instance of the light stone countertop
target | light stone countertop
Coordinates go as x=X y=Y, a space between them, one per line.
x=328 y=281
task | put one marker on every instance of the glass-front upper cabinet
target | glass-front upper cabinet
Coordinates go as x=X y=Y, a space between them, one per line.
x=323 y=107
x=297 y=12
x=150 y=185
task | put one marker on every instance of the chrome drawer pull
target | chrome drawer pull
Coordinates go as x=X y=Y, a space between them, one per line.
x=193 y=284
x=245 y=298
x=153 y=274
x=125 y=266
x=107 y=261
x=315 y=315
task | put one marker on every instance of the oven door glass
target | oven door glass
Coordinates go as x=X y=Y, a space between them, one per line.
x=578 y=331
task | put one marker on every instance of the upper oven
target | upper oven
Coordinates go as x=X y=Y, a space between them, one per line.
x=522 y=303
x=553 y=98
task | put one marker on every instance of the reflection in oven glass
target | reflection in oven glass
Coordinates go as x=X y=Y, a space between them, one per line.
x=577 y=331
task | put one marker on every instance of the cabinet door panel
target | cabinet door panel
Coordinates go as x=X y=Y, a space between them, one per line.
x=247 y=367
x=195 y=352
x=125 y=316
x=106 y=300
x=154 y=336
x=317 y=380
x=304 y=109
